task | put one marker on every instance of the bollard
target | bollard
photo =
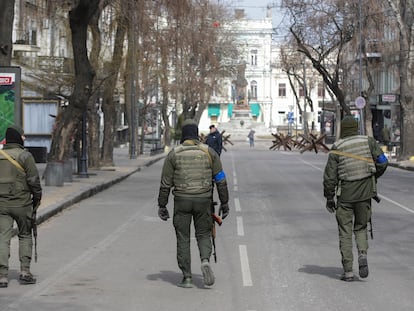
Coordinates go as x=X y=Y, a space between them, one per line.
x=67 y=171
x=54 y=174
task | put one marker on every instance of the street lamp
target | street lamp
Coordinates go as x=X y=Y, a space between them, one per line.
x=83 y=163
x=133 y=149
x=362 y=123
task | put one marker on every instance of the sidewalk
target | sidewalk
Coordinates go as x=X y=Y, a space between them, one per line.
x=56 y=199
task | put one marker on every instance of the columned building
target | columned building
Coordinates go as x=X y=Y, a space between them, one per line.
x=260 y=97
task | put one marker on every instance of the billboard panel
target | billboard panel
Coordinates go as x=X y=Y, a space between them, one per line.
x=10 y=98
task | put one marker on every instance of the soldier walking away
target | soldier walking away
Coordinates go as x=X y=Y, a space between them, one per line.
x=191 y=169
x=214 y=140
x=351 y=172
x=20 y=195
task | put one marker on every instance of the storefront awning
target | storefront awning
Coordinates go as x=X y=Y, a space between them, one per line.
x=230 y=110
x=213 y=110
x=255 y=109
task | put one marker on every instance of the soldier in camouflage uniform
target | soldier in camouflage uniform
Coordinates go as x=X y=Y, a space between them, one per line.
x=20 y=191
x=191 y=169
x=354 y=164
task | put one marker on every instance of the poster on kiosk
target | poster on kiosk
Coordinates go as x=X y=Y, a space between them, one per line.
x=10 y=99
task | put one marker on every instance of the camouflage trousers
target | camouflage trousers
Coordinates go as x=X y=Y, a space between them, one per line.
x=352 y=218
x=185 y=210
x=22 y=216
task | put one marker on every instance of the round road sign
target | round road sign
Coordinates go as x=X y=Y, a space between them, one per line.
x=360 y=102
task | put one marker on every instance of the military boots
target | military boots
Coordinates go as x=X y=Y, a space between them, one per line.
x=363 y=264
x=4 y=282
x=26 y=278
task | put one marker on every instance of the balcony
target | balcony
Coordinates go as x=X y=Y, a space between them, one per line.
x=25 y=46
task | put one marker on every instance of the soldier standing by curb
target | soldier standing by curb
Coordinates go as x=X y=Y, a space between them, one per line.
x=20 y=194
x=354 y=164
x=190 y=170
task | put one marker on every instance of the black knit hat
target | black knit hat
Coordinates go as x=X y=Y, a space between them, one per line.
x=14 y=135
x=349 y=126
x=189 y=130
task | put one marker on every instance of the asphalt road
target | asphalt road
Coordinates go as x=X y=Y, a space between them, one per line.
x=278 y=249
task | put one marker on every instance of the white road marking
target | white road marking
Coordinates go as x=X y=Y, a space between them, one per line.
x=398 y=204
x=237 y=206
x=240 y=228
x=235 y=181
x=236 y=188
x=381 y=196
x=244 y=260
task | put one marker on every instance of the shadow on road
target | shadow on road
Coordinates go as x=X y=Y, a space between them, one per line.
x=175 y=277
x=331 y=272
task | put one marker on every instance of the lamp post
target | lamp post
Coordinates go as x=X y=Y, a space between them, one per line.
x=361 y=111
x=133 y=149
x=83 y=164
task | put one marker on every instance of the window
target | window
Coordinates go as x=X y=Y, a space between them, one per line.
x=282 y=89
x=253 y=57
x=321 y=89
x=301 y=91
x=33 y=40
x=253 y=90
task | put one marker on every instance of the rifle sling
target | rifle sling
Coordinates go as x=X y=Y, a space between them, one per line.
x=351 y=155
x=13 y=161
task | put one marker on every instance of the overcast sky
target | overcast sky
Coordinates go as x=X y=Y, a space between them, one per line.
x=256 y=9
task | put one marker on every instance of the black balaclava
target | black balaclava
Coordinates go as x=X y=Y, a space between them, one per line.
x=14 y=135
x=349 y=126
x=189 y=130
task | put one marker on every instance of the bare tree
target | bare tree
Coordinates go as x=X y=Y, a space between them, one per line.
x=110 y=82
x=403 y=12
x=67 y=122
x=6 y=29
x=321 y=30
x=293 y=63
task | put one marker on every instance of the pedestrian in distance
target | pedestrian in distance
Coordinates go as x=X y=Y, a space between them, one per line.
x=214 y=139
x=20 y=195
x=386 y=135
x=251 y=137
x=190 y=170
x=354 y=164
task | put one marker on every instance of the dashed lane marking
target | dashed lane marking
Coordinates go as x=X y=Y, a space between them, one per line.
x=237 y=206
x=245 y=268
x=240 y=228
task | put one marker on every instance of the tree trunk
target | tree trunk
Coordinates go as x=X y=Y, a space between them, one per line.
x=93 y=117
x=70 y=118
x=108 y=104
x=6 y=30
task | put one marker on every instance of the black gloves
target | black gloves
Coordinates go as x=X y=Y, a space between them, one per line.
x=223 y=210
x=163 y=213
x=330 y=205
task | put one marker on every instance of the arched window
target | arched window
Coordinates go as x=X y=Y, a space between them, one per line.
x=253 y=90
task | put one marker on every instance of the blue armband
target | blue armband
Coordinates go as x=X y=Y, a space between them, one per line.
x=381 y=159
x=220 y=176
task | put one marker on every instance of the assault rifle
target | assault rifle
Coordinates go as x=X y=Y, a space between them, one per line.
x=219 y=221
x=371 y=230
x=34 y=227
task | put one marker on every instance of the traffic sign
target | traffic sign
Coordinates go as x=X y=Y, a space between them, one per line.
x=360 y=102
